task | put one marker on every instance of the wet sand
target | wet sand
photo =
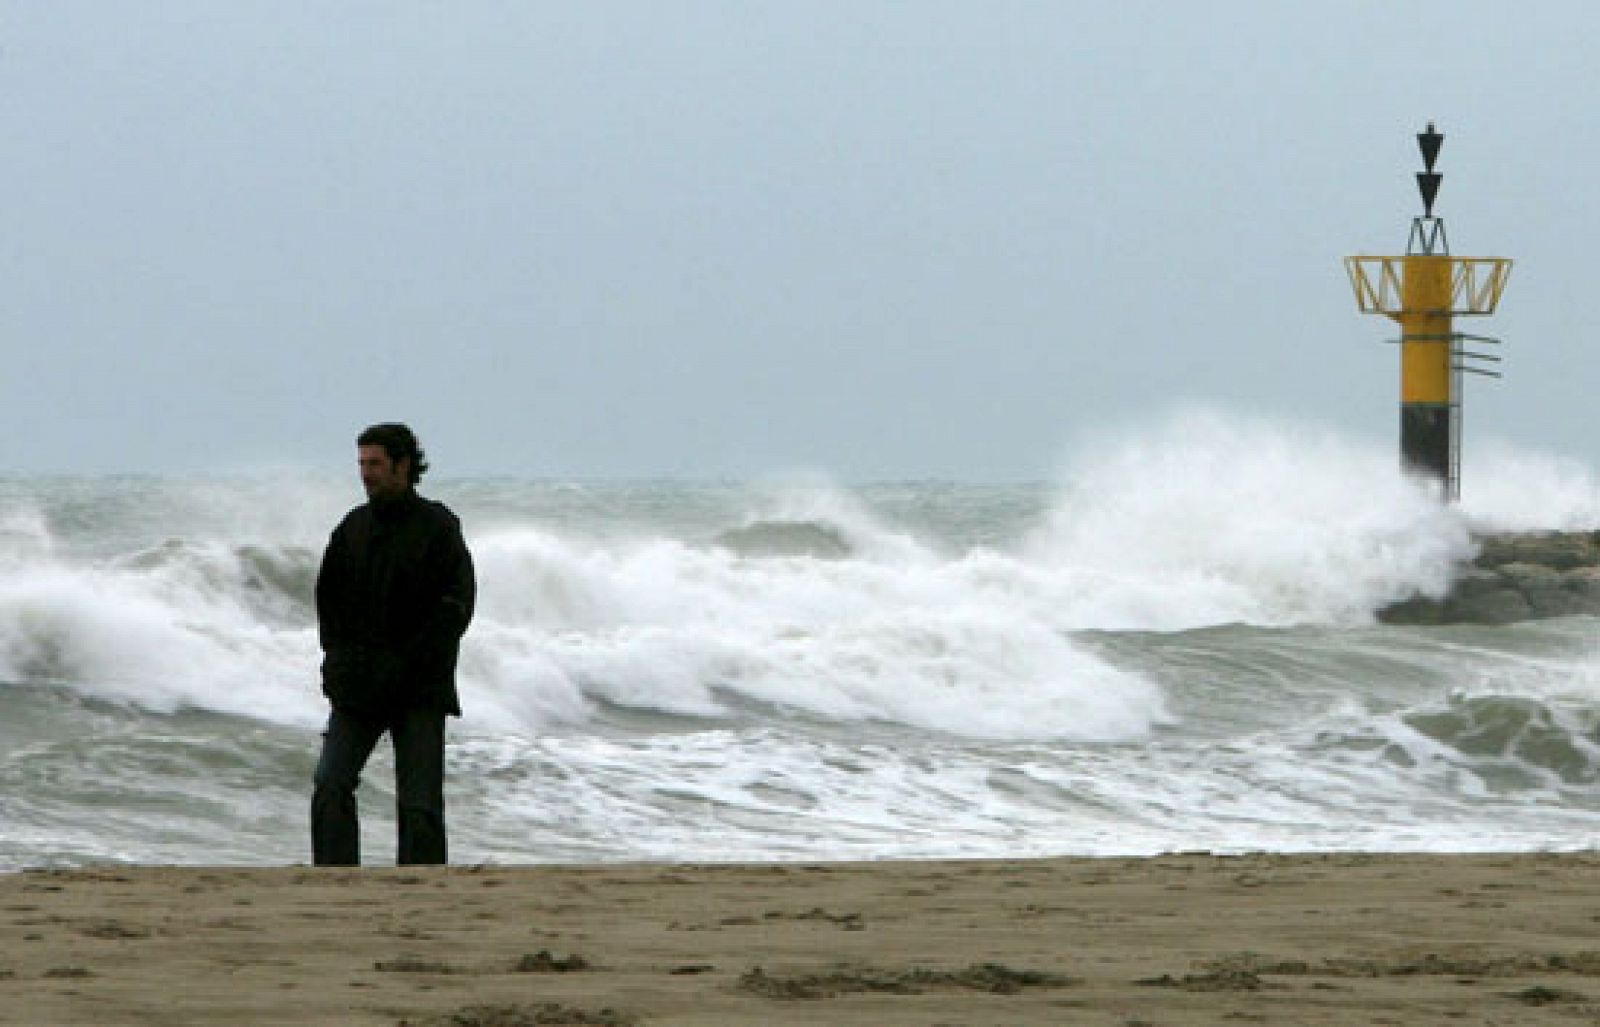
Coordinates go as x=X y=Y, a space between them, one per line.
x=1173 y=940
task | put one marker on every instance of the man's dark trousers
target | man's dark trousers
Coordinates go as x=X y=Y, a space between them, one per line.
x=418 y=737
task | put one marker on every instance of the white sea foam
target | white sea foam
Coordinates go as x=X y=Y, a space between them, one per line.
x=940 y=644
x=24 y=537
x=1510 y=488
x=202 y=599
x=651 y=623
x=1210 y=518
x=893 y=671
x=152 y=638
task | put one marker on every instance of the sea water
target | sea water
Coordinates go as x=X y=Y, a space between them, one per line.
x=1172 y=647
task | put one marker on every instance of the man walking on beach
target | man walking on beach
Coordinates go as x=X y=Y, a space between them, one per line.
x=394 y=596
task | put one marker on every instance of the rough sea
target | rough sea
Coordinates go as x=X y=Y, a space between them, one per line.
x=1171 y=647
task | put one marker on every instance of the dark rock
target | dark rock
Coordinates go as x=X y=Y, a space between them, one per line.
x=1523 y=575
x=1501 y=606
x=1559 y=550
x=1583 y=581
x=1515 y=577
x=1416 y=610
x=1475 y=581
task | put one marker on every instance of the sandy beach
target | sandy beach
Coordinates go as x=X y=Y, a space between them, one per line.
x=1181 y=939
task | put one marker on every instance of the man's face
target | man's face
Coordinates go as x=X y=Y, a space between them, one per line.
x=381 y=477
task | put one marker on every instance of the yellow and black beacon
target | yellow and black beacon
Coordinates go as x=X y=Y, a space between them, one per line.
x=1424 y=291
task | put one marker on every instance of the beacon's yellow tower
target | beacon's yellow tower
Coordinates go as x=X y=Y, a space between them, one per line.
x=1424 y=291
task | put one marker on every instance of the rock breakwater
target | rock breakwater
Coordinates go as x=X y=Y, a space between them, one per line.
x=1515 y=577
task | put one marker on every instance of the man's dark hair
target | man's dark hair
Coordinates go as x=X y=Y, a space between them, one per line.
x=399 y=442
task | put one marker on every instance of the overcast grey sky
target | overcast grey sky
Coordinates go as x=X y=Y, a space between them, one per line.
x=707 y=239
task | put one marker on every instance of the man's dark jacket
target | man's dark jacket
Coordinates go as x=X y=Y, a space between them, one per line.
x=394 y=595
